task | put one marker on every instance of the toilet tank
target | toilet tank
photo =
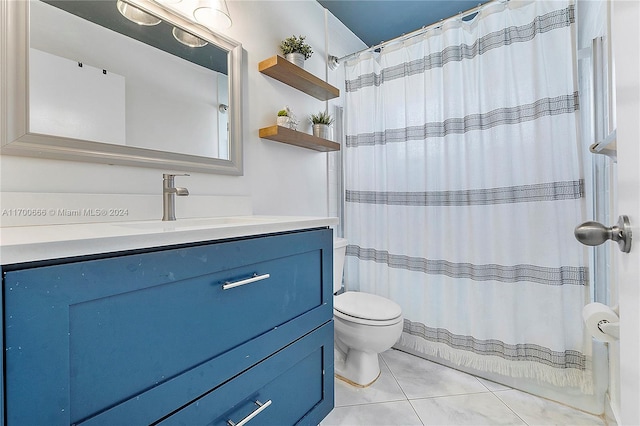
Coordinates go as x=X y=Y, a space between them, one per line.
x=339 y=250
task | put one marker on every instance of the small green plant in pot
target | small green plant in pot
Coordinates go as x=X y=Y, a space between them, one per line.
x=321 y=118
x=283 y=117
x=321 y=122
x=295 y=50
x=286 y=118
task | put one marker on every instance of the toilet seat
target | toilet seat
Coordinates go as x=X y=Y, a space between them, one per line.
x=367 y=309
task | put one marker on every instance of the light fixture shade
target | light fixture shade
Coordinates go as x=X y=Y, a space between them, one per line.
x=136 y=15
x=213 y=14
x=187 y=38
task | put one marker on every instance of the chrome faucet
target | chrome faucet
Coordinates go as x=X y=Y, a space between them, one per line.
x=169 y=191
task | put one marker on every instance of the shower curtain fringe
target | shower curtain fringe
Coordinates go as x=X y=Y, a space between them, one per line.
x=574 y=378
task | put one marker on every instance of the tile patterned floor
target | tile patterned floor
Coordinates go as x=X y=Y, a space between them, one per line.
x=414 y=391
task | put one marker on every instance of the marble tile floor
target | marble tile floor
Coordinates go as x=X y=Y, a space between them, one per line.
x=415 y=391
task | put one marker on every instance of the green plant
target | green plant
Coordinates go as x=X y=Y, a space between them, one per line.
x=283 y=113
x=321 y=118
x=295 y=44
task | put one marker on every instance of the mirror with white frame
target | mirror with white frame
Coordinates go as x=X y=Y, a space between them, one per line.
x=84 y=83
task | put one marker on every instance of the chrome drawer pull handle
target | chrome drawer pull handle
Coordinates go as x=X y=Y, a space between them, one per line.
x=253 y=279
x=257 y=411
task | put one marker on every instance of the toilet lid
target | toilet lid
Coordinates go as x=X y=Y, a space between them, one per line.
x=366 y=306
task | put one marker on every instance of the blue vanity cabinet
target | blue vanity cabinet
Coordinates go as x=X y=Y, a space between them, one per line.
x=281 y=390
x=178 y=335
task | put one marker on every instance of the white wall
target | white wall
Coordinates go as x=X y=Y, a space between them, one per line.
x=280 y=179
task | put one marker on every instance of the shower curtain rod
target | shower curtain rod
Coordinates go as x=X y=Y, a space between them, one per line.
x=335 y=61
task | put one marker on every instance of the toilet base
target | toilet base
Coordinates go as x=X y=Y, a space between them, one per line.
x=358 y=368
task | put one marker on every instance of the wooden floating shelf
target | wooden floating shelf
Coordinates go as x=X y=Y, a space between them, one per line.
x=294 y=137
x=282 y=70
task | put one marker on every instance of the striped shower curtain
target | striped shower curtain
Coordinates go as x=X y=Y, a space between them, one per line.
x=463 y=186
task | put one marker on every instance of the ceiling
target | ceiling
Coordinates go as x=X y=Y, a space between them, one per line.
x=375 y=21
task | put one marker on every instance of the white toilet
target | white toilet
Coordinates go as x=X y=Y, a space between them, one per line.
x=365 y=325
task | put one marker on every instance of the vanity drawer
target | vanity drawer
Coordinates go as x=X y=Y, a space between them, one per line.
x=289 y=384
x=134 y=337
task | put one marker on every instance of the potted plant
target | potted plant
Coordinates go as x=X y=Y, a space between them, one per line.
x=321 y=122
x=286 y=118
x=295 y=50
x=283 y=117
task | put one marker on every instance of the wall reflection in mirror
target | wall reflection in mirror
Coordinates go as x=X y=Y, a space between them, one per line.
x=137 y=82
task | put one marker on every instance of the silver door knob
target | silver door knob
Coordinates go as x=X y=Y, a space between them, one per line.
x=594 y=233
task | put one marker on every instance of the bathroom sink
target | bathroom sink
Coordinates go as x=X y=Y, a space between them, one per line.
x=20 y=244
x=205 y=222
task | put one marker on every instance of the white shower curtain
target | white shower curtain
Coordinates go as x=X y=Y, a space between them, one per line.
x=463 y=186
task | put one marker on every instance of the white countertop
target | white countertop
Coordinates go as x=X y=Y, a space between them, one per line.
x=31 y=243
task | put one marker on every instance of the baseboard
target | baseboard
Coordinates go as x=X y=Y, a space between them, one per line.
x=611 y=416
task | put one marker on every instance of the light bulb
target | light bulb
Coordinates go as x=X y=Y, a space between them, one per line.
x=187 y=38
x=136 y=15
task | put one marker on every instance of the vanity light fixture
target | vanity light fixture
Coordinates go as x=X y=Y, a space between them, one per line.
x=187 y=38
x=136 y=15
x=213 y=14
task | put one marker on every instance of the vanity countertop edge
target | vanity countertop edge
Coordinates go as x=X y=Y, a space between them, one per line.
x=22 y=244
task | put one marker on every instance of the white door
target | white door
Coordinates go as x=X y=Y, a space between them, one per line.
x=626 y=49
